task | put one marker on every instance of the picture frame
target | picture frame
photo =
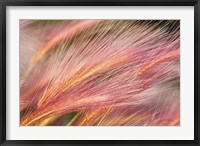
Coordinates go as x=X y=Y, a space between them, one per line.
x=101 y=3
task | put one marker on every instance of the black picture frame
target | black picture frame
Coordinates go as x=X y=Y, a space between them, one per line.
x=5 y=3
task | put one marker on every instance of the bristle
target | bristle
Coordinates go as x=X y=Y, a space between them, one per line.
x=109 y=72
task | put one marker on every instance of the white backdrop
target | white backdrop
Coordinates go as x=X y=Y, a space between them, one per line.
x=183 y=132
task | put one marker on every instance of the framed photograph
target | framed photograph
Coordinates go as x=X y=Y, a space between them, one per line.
x=99 y=72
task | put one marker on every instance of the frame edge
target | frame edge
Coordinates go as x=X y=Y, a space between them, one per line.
x=3 y=73
x=3 y=140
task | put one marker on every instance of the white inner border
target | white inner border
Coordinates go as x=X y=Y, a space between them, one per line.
x=183 y=132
